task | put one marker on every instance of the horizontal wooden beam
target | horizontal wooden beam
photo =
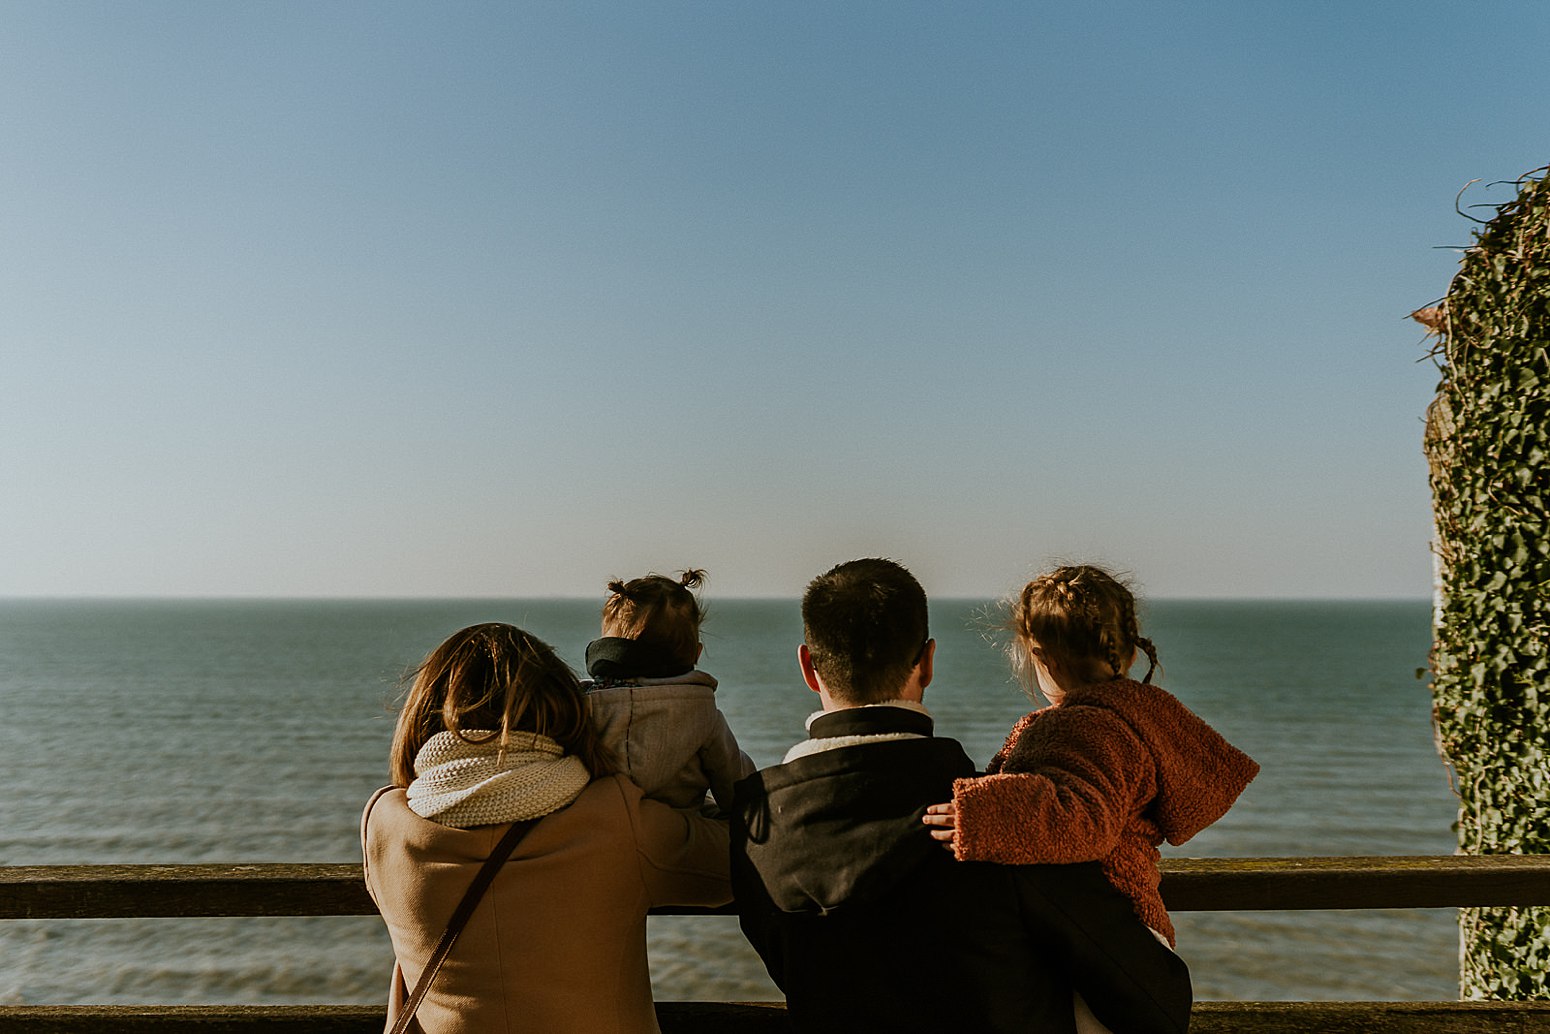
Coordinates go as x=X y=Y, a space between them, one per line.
x=1397 y=881
x=177 y=891
x=191 y=1019
x=770 y=1017
x=154 y=891
x=674 y=1017
x=1191 y=884
x=1370 y=1018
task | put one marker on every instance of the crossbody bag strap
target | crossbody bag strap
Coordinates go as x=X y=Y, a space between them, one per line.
x=465 y=908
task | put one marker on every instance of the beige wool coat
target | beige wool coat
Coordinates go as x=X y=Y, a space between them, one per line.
x=558 y=943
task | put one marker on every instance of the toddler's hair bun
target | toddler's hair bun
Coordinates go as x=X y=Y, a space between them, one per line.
x=693 y=578
x=617 y=588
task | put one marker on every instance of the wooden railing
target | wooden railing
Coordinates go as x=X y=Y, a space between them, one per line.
x=1228 y=884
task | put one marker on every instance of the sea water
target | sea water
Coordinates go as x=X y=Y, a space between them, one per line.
x=254 y=731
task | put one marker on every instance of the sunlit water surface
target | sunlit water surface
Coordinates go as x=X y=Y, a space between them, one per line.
x=248 y=731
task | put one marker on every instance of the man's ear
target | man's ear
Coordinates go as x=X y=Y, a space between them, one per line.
x=809 y=673
x=927 y=663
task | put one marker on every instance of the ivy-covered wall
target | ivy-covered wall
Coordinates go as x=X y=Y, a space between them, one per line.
x=1488 y=442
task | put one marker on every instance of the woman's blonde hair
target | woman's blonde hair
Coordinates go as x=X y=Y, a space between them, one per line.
x=485 y=683
x=658 y=610
x=1080 y=619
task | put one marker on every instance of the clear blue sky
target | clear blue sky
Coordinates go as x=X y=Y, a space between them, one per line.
x=505 y=299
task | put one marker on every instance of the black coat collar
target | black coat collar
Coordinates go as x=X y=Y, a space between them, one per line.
x=614 y=658
x=869 y=721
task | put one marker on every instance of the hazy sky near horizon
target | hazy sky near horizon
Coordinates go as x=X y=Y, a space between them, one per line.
x=390 y=299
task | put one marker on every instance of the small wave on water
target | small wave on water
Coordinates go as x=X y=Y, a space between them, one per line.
x=194 y=961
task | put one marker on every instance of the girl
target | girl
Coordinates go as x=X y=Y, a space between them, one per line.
x=1111 y=768
x=653 y=708
x=495 y=732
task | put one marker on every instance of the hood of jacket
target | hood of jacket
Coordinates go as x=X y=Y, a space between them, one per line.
x=842 y=827
x=614 y=658
x=1199 y=774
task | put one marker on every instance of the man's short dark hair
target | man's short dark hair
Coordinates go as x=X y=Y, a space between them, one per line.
x=866 y=626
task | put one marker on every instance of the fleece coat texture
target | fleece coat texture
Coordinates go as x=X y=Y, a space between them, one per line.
x=1108 y=774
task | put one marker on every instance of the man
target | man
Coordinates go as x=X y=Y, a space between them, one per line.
x=861 y=918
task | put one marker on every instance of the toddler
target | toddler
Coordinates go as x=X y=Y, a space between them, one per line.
x=653 y=708
x=1111 y=768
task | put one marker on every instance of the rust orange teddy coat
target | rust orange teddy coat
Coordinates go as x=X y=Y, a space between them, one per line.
x=1108 y=775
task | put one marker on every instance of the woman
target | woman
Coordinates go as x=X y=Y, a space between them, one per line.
x=495 y=731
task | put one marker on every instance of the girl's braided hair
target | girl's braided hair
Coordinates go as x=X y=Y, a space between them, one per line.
x=1082 y=620
x=658 y=610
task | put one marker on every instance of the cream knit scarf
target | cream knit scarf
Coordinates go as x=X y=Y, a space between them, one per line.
x=464 y=784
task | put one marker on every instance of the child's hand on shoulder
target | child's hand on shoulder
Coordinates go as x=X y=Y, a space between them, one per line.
x=943 y=822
